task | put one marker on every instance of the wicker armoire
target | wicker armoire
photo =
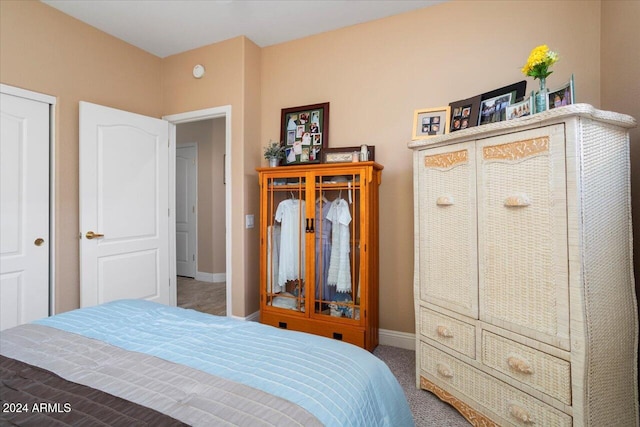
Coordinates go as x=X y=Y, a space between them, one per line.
x=524 y=292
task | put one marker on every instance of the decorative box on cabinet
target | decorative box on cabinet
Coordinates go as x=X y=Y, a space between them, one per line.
x=524 y=293
x=319 y=249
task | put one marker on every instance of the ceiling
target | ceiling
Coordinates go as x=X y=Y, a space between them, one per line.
x=167 y=27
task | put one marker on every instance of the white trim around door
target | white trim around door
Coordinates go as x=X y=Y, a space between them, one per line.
x=194 y=116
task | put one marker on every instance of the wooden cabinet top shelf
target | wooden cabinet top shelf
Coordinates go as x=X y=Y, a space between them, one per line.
x=318 y=167
x=324 y=186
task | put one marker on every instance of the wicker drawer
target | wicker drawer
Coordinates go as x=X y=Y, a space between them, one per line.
x=456 y=335
x=539 y=370
x=481 y=391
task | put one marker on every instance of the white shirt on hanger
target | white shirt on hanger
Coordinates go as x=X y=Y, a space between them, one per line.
x=339 y=267
x=291 y=215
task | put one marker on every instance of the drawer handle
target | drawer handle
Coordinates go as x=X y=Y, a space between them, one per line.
x=444 y=332
x=519 y=365
x=521 y=414
x=517 y=201
x=445 y=200
x=445 y=370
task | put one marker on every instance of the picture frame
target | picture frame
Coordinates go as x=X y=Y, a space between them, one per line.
x=304 y=131
x=430 y=122
x=494 y=109
x=517 y=90
x=345 y=154
x=464 y=113
x=564 y=95
x=521 y=109
x=514 y=92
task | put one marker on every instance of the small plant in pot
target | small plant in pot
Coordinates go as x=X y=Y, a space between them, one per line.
x=273 y=152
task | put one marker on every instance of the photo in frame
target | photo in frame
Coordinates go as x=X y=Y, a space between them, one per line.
x=430 y=122
x=564 y=95
x=464 y=113
x=522 y=108
x=305 y=132
x=494 y=110
x=346 y=154
x=516 y=92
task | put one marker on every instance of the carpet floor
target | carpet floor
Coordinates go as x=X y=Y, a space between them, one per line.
x=427 y=409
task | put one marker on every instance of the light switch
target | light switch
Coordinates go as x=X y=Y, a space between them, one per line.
x=249 y=221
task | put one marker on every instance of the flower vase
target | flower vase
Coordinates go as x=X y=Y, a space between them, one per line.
x=541 y=96
x=273 y=162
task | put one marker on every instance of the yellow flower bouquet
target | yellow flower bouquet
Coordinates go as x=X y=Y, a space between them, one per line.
x=540 y=59
x=537 y=66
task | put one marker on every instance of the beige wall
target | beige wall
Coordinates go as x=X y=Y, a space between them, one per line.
x=374 y=75
x=46 y=51
x=252 y=157
x=229 y=80
x=620 y=86
x=210 y=137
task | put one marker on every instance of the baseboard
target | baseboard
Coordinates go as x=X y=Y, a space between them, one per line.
x=211 y=277
x=253 y=317
x=397 y=339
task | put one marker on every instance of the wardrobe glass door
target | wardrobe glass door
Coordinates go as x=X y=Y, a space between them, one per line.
x=284 y=213
x=337 y=229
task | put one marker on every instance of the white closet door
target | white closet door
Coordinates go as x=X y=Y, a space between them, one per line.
x=24 y=210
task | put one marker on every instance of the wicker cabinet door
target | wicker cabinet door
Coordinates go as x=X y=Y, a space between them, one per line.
x=447 y=251
x=522 y=233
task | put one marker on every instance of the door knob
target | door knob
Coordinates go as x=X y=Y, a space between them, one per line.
x=39 y=241
x=91 y=235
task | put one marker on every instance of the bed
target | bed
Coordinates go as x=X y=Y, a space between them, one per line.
x=134 y=362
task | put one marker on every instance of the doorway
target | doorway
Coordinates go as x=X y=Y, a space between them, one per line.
x=210 y=131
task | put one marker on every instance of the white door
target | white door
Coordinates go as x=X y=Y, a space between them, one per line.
x=24 y=210
x=124 y=207
x=186 y=210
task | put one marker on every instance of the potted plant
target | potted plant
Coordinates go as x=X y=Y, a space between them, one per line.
x=537 y=66
x=273 y=152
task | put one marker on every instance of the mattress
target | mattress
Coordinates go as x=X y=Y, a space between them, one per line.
x=210 y=370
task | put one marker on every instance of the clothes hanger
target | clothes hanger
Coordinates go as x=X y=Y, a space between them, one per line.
x=321 y=198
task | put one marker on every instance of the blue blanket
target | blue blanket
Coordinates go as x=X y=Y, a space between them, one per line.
x=341 y=384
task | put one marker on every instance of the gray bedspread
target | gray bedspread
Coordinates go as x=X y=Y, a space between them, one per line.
x=186 y=394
